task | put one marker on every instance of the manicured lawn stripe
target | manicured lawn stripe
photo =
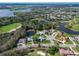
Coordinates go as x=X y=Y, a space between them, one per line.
x=7 y=28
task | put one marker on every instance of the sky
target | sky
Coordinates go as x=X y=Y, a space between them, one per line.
x=39 y=0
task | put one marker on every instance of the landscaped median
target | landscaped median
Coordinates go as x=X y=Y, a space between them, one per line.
x=9 y=28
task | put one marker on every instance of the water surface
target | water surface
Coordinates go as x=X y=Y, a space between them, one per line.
x=9 y=13
x=66 y=30
x=6 y=13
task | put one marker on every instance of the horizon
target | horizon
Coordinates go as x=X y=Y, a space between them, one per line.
x=68 y=4
x=34 y=2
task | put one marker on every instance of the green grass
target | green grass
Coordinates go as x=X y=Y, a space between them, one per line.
x=35 y=36
x=43 y=42
x=8 y=28
x=77 y=42
x=57 y=54
x=29 y=43
x=75 y=27
x=66 y=34
x=69 y=42
x=76 y=49
x=77 y=19
x=46 y=42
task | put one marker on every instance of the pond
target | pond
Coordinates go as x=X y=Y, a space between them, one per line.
x=9 y=13
x=66 y=30
x=6 y=13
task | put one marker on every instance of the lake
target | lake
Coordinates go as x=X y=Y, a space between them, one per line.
x=6 y=13
x=9 y=13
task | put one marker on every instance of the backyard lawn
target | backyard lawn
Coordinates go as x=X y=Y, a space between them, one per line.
x=67 y=34
x=10 y=27
x=46 y=42
x=69 y=42
x=76 y=49
x=76 y=42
